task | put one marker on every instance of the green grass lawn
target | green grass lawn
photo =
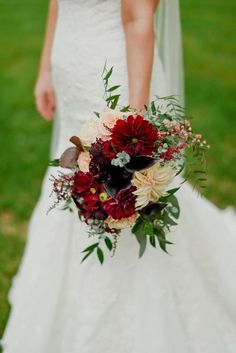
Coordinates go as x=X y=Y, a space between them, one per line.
x=209 y=28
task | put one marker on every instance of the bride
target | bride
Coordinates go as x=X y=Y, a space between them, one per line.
x=183 y=303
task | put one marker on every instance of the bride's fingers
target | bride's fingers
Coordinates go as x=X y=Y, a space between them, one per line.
x=45 y=104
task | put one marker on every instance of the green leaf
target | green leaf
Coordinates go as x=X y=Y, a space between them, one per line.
x=125 y=109
x=162 y=241
x=100 y=255
x=115 y=102
x=108 y=74
x=138 y=225
x=168 y=219
x=148 y=228
x=199 y=171
x=172 y=191
x=162 y=245
x=108 y=243
x=113 y=88
x=152 y=240
x=97 y=114
x=54 y=163
x=85 y=257
x=153 y=108
x=111 y=98
x=175 y=203
x=143 y=244
x=181 y=169
x=91 y=247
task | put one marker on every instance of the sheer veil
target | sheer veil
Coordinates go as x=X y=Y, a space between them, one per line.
x=169 y=45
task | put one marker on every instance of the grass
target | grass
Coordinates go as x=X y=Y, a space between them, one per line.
x=209 y=52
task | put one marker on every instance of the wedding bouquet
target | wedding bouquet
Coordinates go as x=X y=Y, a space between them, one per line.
x=121 y=169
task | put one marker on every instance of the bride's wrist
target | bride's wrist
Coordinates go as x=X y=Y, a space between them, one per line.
x=44 y=71
x=45 y=67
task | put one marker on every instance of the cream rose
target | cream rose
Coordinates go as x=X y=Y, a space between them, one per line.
x=89 y=132
x=108 y=119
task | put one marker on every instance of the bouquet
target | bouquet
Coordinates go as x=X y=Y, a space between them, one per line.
x=119 y=171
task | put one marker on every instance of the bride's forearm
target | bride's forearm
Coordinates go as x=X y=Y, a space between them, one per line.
x=139 y=33
x=45 y=64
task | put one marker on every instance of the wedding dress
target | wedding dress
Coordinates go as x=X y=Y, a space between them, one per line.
x=179 y=303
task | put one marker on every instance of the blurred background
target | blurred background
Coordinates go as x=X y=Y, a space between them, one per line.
x=209 y=30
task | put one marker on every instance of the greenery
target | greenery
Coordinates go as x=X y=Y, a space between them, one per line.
x=209 y=51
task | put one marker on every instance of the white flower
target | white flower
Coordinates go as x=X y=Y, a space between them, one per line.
x=151 y=184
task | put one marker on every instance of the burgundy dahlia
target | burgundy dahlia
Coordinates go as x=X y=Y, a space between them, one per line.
x=135 y=136
x=86 y=194
x=123 y=205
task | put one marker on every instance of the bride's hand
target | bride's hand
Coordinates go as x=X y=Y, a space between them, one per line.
x=45 y=96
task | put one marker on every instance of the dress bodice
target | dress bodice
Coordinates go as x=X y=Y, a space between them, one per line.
x=89 y=33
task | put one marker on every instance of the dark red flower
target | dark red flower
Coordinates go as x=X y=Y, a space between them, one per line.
x=123 y=205
x=108 y=149
x=86 y=194
x=99 y=164
x=135 y=136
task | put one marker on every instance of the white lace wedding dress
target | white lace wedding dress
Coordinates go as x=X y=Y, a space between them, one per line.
x=184 y=303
